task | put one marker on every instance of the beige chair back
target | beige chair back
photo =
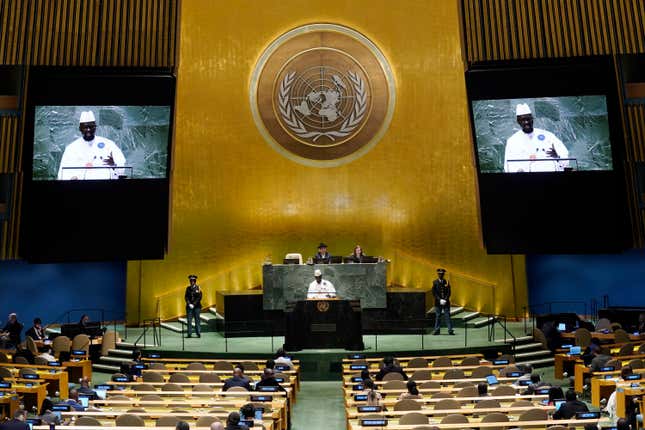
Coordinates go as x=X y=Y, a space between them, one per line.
x=31 y=345
x=81 y=342
x=179 y=378
x=144 y=387
x=422 y=375
x=481 y=372
x=454 y=419
x=468 y=392
x=621 y=336
x=603 y=324
x=441 y=395
x=583 y=337
x=470 y=361
x=495 y=417
x=209 y=377
x=41 y=361
x=167 y=421
x=152 y=377
x=534 y=415
x=407 y=405
x=636 y=363
x=413 y=418
x=626 y=349
x=503 y=390
x=418 y=362
x=521 y=404
x=196 y=366
x=455 y=373
x=108 y=342
x=171 y=387
x=87 y=421
x=393 y=376
x=156 y=366
x=61 y=344
x=487 y=404
x=430 y=385
x=395 y=385
x=444 y=404
x=223 y=365
x=202 y=388
x=442 y=362
x=129 y=420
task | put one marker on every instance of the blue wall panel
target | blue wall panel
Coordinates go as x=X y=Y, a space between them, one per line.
x=586 y=277
x=48 y=290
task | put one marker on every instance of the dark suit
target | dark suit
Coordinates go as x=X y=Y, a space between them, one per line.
x=568 y=410
x=441 y=291
x=389 y=369
x=324 y=259
x=14 y=330
x=236 y=382
x=14 y=424
x=599 y=361
x=269 y=382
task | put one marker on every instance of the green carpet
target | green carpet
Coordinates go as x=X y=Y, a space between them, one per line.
x=319 y=407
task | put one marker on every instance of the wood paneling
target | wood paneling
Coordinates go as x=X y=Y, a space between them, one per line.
x=134 y=33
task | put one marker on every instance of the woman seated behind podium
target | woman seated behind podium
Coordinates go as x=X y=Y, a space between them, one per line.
x=357 y=256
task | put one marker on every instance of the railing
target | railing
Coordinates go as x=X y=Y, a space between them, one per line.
x=501 y=321
x=153 y=324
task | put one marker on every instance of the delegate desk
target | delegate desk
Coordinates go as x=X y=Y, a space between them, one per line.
x=325 y=323
x=289 y=282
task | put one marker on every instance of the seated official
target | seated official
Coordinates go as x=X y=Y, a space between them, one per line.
x=233 y=422
x=282 y=358
x=320 y=289
x=599 y=360
x=412 y=393
x=357 y=256
x=36 y=332
x=17 y=423
x=237 y=380
x=374 y=398
x=388 y=367
x=46 y=414
x=73 y=400
x=268 y=380
x=535 y=384
x=569 y=408
x=11 y=332
x=86 y=390
x=322 y=256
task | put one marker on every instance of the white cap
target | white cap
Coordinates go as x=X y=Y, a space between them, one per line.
x=522 y=109
x=317 y=272
x=87 y=116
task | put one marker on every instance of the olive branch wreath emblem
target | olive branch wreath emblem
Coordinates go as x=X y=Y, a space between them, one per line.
x=347 y=127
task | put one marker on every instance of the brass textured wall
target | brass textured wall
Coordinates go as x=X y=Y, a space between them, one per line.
x=517 y=29
x=137 y=33
x=236 y=201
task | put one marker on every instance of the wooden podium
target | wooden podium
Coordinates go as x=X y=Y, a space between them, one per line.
x=323 y=323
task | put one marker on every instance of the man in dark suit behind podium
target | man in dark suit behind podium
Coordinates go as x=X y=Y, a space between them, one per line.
x=322 y=256
x=441 y=293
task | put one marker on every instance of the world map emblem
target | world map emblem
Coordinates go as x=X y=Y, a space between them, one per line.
x=322 y=95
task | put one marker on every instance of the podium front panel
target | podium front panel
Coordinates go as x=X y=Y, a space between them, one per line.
x=364 y=282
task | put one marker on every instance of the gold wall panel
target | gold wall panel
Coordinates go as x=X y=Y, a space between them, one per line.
x=134 y=33
x=236 y=201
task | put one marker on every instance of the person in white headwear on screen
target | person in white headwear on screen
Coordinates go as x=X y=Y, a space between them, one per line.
x=320 y=289
x=90 y=150
x=533 y=144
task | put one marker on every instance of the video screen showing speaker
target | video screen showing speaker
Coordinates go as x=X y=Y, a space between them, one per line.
x=548 y=147
x=101 y=142
x=97 y=157
x=543 y=134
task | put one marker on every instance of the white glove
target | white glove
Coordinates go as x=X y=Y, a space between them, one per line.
x=190 y=305
x=442 y=302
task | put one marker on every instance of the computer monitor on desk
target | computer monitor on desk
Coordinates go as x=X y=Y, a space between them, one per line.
x=291 y=261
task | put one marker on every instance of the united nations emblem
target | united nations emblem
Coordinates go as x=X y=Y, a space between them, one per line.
x=322 y=94
x=322 y=306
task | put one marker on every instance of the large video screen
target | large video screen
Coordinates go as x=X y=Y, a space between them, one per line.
x=100 y=142
x=547 y=134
